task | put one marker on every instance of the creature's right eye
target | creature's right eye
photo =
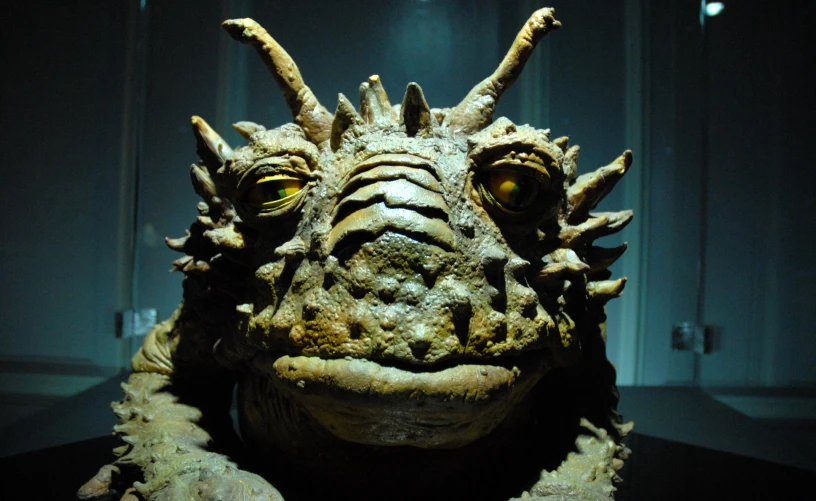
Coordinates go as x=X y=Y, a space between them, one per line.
x=274 y=192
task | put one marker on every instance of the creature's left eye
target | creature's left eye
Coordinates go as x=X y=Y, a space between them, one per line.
x=274 y=192
x=510 y=190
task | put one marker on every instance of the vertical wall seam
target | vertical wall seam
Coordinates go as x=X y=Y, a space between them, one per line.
x=133 y=106
x=631 y=347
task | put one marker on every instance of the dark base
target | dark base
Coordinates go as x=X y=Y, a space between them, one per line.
x=659 y=470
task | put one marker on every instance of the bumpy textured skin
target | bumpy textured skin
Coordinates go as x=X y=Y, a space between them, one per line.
x=394 y=331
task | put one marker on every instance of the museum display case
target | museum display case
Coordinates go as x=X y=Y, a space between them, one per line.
x=711 y=340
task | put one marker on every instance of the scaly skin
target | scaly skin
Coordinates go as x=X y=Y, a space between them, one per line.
x=407 y=298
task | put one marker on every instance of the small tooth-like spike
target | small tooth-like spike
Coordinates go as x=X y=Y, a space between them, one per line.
x=624 y=430
x=559 y=264
x=292 y=249
x=100 y=484
x=122 y=412
x=374 y=104
x=344 y=117
x=573 y=236
x=121 y=450
x=590 y=188
x=130 y=494
x=177 y=244
x=606 y=289
x=415 y=112
x=181 y=263
x=562 y=142
x=557 y=271
x=246 y=128
x=129 y=439
x=616 y=221
x=123 y=428
x=129 y=391
x=601 y=258
x=226 y=238
x=199 y=266
x=570 y=164
x=202 y=183
x=211 y=147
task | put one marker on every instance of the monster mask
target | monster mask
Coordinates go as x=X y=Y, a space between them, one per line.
x=395 y=276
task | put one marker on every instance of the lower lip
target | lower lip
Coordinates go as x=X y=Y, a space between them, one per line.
x=364 y=402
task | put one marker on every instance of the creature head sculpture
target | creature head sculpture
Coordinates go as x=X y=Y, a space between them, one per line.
x=398 y=276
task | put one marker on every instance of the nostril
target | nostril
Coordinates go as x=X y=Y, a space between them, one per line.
x=420 y=341
x=419 y=346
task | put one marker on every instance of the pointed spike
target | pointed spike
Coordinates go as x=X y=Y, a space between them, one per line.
x=605 y=290
x=591 y=188
x=598 y=225
x=477 y=108
x=129 y=439
x=177 y=244
x=624 y=429
x=374 y=104
x=121 y=451
x=617 y=220
x=180 y=263
x=560 y=271
x=246 y=128
x=130 y=392
x=202 y=208
x=122 y=413
x=416 y=114
x=601 y=258
x=574 y=236
x=562 y=142
x=202 y=183
x=570 y=164
x=559 y=264
x=365 y=112
x=382 y=98
x=344 y=117
x=211 y=147
x=307 y=111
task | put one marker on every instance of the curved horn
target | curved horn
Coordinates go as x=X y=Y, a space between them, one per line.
x=309 y=114
x=476 y=110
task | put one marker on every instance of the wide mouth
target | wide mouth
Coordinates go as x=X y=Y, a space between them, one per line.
x=366 y=402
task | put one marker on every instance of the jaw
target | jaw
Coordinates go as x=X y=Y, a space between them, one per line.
x=364 y=402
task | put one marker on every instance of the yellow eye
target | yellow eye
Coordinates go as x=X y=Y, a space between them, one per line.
x=511 y=191
x=273 y=192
